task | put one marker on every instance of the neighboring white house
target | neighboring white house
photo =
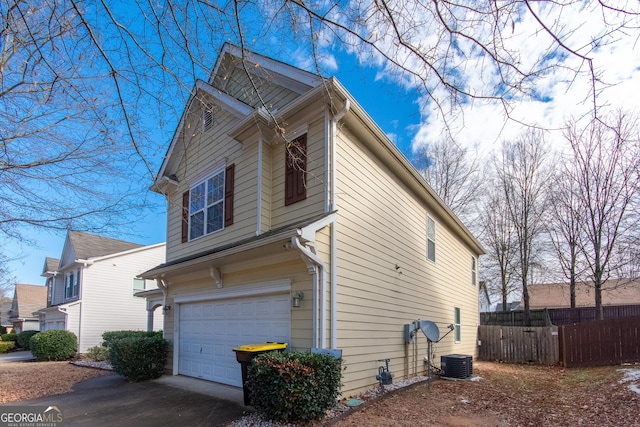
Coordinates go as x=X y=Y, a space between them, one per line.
x=91 y=288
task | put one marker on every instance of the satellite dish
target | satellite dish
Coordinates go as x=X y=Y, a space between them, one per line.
x=430 y=330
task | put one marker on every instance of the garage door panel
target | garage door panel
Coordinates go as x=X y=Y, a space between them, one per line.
x=210 y=330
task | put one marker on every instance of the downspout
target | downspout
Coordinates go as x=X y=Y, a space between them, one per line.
x=259 y=201
x=334 y=240
x=317 y=268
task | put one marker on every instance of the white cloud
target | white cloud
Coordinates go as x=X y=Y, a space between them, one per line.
x=560 y=88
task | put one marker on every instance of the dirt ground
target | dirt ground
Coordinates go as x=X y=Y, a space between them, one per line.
x=511 y=395
x=504 y=395
x=28 y=380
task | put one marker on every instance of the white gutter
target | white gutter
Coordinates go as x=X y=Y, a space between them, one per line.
x=259 y=201
x=317 y=268
x=334 y=226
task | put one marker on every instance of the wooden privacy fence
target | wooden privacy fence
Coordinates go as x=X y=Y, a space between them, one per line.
x=607 y=342
x=566 y=316
x=518 y=344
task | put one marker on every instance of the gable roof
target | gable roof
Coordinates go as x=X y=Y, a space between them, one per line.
x=27 y=299
x=220 y=88
x=310 y=88
x=50 y=266
x=556 y=295
x=87 y=246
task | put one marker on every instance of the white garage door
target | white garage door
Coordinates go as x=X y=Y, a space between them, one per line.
x=210 y=330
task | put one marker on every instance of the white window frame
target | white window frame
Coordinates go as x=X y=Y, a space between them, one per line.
x=431 y=239
x=71 y=284
x=474 y=271
x=457 y=332
x=138 y=281
x=195 y=209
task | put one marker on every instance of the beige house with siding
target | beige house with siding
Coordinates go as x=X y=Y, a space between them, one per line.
x=91 y=288
x=293 y=218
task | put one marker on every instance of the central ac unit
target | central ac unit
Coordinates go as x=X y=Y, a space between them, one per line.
x=456 y=366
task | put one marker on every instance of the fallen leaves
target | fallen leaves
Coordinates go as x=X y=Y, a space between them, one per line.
x=29 y=380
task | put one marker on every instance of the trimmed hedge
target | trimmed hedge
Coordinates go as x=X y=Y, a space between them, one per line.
x=139 y=358
x=10 y=337
x=54 y=345
x=98 y=353
x=5 y=346
x=24 y=337
x=294 y=386
x=110 y=336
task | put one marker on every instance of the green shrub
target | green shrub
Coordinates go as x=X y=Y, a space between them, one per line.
x=24 y=337
x=54 y=345
x=110 y=336
x=294 y=386
x=10 y=337
x=5 y=346
x=139 y=358
x=98 y=353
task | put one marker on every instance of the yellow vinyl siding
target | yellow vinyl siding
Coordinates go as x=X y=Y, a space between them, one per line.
x=276 y=97
x=205 y=152
x=288 y=266
x=381 y=226
x=314 y=203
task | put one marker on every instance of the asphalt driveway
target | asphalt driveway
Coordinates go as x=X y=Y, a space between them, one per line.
x=168 y=401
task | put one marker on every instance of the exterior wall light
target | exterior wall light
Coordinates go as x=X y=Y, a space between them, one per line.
x=297 y=298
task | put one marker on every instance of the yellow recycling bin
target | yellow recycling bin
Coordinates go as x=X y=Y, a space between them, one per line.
x=246 y=353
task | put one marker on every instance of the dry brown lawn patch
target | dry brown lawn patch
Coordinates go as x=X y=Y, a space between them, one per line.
x=509 y=395
x=29 y=380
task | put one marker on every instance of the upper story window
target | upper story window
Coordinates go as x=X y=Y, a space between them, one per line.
x=72 y=284
x=208 y=206
x=207 y=116
x=49 y=290
x=431 y=239
x=474 y=271
x=296 y=171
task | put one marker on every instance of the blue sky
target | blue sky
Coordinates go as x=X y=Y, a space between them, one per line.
x=409 y=116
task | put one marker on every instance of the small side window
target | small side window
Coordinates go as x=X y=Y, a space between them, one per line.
x=474 y=273
x=431 y=239
x=139 y=285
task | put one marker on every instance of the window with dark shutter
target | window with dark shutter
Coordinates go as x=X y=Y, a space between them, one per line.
x=228 y=194
x=208 y=206
x=296 y=170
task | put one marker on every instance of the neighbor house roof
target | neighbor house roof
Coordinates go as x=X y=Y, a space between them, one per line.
x=556 y=295
x=87 y=246
x=50 y=266
x=27 y=299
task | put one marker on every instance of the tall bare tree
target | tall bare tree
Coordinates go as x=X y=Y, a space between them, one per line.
x=606 y=174
x=524 y=178
x=500 y=264
x=90 y=92
x=565 y=224
x=453 y=172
